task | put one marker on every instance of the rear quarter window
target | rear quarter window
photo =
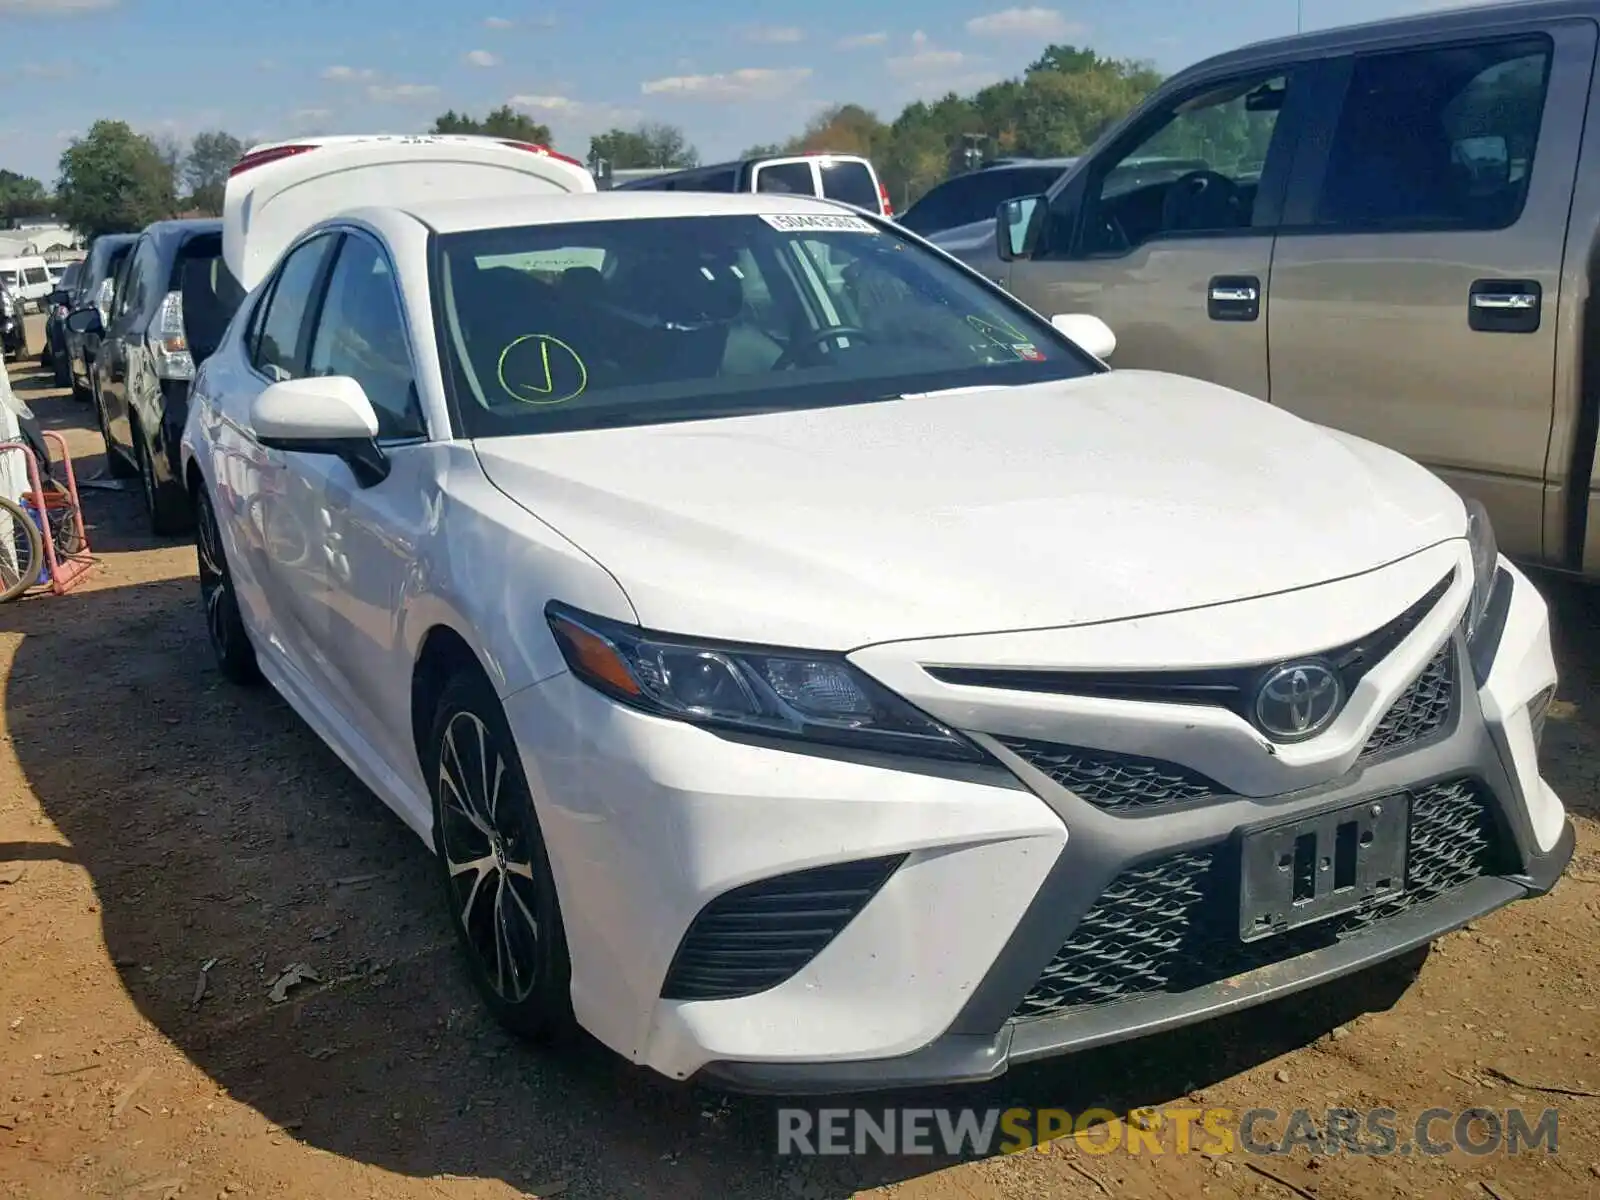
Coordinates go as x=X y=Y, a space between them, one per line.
x=851 y=182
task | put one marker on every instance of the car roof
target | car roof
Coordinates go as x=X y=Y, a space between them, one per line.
x=169 y=236
x=1429 y=24
x=455 y=216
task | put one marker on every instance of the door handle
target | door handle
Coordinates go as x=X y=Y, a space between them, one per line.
x=1233 y=298
x=1504 y=306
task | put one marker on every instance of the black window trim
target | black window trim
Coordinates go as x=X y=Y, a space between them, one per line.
x=1315 y=147
x=350 y=232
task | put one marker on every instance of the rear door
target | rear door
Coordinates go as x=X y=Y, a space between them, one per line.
x=1415 y=290
x=1176 y=256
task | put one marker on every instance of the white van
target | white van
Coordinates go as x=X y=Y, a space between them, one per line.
x=848 y=178
x=29 y=278
x=280 y=189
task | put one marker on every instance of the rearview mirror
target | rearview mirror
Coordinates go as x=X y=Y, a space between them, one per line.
x=1090 y=333
x=322 y=414
x=84 y=320
x=1017 y=227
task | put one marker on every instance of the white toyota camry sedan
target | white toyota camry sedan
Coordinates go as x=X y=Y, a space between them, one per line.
x=815 y=671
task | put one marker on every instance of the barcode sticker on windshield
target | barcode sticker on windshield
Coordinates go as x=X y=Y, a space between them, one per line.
x=818 y=223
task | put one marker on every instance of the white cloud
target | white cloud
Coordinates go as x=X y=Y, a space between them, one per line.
x=548 y=104
x=38 y=70
x=775 y=35
x=310 y=116
x=926 y=59
x=267 y=64
x=55 y=8
x=1023 y=23
x=861 y=41
x=349 y=74
x=480 y=58
x=747 y=83
x=497 y=23
x=401 y=91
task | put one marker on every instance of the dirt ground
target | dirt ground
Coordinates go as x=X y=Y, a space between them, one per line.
x=158 y=825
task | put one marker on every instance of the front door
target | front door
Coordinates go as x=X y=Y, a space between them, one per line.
x=1416 y=287
x=1167 y=235
x=113 y=361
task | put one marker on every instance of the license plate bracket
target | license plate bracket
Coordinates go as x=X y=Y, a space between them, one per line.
x=1321 y=866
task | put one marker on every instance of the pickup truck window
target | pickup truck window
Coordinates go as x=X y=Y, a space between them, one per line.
x=1441 y=138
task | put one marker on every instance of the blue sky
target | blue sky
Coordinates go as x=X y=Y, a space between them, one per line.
x=730 y=74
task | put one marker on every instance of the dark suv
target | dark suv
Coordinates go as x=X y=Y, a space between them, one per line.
x=170 y=305
x=93 y=291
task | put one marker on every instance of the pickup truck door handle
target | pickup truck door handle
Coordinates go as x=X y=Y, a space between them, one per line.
x=1233 y=298
x=1504 y=306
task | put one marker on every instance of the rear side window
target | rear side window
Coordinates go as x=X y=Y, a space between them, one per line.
x=1438 y=138
x=793 y=178
x=850 y=181
x=134 y=280
x=278 y=353
x=37 y=275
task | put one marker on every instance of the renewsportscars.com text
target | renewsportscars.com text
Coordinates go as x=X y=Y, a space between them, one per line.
x=1177 y=1129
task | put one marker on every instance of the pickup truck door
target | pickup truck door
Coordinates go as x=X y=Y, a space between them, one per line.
x=1416 y=285
x=1167 y=233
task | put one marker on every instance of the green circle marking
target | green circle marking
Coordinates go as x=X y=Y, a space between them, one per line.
x=532 y=393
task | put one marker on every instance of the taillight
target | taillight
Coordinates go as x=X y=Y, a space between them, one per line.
x=535 y=148
x=168 y=344
x=883 y=196
x=260 y=158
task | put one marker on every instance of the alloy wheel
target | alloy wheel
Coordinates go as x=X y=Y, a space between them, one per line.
x=213 y=578
x=486 y=841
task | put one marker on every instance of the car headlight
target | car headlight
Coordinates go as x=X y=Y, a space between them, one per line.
x=1485 y=563
x=811 y=696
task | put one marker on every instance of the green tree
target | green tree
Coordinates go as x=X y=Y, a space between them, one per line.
x=113 y=180
x=205 y=170
x=502 y=122
x=647 y=145
x=21 y=196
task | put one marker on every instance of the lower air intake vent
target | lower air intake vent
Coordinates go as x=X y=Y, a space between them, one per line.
x=1172 y=925
x=756 y=936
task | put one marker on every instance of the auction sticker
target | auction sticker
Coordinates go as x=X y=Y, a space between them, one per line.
x=818 y=223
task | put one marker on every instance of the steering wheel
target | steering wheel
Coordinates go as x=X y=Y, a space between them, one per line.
x=1205 y=192
x=817 y=337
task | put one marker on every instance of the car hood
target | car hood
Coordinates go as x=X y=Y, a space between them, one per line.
x=1118 y=495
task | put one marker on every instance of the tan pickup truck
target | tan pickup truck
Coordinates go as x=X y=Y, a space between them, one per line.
x=1395 y=234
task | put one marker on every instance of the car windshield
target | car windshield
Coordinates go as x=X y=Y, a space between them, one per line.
x=629 y=322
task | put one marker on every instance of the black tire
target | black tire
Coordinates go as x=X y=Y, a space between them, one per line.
x=230 y=642
x=81 y=392
x=62 y=369
x=16 y=575
x=166 y=511
x=510 y=901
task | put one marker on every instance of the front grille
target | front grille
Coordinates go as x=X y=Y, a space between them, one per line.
x=1422 y=709
x=1116 y=782
x=756 y=936
x=1173 y=924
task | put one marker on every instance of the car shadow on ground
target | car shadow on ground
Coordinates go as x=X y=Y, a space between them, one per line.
x=215 y=825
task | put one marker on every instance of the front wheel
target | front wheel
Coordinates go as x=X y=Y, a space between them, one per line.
x=230 y=643
x=163 y=503
x=493 y=865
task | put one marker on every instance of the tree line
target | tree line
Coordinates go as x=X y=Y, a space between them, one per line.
x=115 y=179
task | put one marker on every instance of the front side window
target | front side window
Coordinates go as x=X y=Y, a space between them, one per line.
x=37 y=275
x=1196 y=173
x=640 y=321
x=1438 y=138
x=361 y=334
x=278 y=353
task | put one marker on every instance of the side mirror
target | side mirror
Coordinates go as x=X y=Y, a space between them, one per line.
x=1091 y=334
x=84 y=320
x=1016 y=227
x=322 y=414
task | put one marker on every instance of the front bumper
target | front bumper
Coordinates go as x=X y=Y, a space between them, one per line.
x=996 y=935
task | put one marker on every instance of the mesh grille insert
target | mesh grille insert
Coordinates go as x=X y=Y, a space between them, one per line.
x=1172 y=925
x=756 y=936
x=1422 y=709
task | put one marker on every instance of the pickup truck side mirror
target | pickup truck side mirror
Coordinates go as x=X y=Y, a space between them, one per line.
x=1017 y=223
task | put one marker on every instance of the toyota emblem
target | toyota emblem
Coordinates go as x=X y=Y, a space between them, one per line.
x=1298 y=701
